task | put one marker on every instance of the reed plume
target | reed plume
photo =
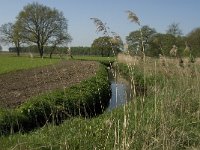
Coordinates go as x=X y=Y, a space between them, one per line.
x=133 y=17
x=101 y=27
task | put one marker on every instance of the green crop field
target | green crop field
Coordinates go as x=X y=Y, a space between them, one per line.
x=95 y=58
x=11 y=63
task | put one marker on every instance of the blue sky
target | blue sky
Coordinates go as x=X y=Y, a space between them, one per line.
x=158 y=14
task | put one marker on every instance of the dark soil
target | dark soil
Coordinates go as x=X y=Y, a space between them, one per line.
x=17 y=87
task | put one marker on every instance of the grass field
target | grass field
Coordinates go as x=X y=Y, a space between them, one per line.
x=95 y=58
x=12 y=63
x=167 y=118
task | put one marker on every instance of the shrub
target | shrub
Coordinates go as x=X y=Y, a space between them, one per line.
x=11 y=121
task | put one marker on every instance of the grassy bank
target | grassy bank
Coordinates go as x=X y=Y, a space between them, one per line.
x=167 y=118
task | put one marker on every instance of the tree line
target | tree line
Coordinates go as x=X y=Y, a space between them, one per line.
x=78 y=50
x=161 y=43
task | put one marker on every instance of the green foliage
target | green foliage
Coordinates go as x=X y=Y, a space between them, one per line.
x=193 y=39
x=162 y=44
x=154 y=43
x=107 y=46
x=10 y=121
x=134 y=38
x=89 y=98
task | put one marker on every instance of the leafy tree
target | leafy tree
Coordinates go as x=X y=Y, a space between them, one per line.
x=156 y=43
x=163 y=43
x=107 y=46
x=174 y=30
x=42 y=25
x=10 y=33
x=193 y=40
x=134 y=39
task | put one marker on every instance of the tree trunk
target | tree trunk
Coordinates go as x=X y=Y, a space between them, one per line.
x=50 y=56
x=53 y=49
x=17 y=45
x=18 y=53
x=41 y=53
x=40 y=48
x=51 y=53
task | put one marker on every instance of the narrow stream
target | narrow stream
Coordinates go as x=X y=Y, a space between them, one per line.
x=121 y=91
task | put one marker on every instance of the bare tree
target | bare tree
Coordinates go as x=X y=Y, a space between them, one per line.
x=42 y=25
x=10 y=34
x=174 y=30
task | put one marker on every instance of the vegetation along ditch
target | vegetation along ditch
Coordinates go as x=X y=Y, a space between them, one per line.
x=88 y=98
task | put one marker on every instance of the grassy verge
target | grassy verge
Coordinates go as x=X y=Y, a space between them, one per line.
x=168 y=118
x=104 y=60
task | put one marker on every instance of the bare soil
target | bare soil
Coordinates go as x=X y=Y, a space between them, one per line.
x=17 y=87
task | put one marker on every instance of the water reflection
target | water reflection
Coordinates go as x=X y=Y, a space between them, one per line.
x=121 y=92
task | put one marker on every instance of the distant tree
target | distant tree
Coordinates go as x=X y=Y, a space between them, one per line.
x=82 y=51
x=0 y=48
x=43 y=25
x=163 y=43
x=10 y=33
x=193 y=41
x=174 y=30
x=107 y=46
x=134 y=39
x=62 y=39
x=156 y=43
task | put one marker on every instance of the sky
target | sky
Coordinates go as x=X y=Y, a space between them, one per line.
x=158 y=14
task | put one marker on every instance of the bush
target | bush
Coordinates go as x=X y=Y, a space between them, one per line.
x=11 y=121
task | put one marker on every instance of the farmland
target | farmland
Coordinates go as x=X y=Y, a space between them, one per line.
x=166 y=118
x=19 y=86
x=12 y=63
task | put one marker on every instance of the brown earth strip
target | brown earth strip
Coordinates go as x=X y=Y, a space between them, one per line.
x=17 y=87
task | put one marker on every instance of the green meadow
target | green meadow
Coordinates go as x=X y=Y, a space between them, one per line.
x=13 y=63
